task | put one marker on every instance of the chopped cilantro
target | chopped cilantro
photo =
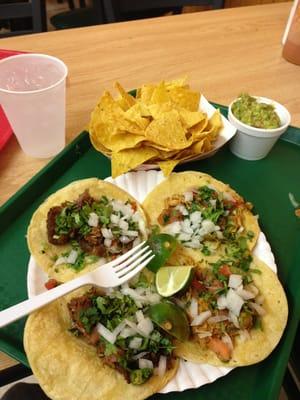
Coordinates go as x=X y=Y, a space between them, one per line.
x=139 y=376
x=206 y=251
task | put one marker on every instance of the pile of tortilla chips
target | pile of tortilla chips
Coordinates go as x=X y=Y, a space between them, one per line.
x=161 y=125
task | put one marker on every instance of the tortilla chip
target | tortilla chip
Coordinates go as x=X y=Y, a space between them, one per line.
x=137 y=114
x=126 y=160
x=191 y=118
x=185 y=98
x=168 y=166
x=130 y=100
x=167 y=130
x=160 y=94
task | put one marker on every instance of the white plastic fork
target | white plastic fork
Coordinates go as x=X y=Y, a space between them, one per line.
x=112 y=274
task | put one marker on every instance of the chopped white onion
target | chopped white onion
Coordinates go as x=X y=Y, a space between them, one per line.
x=133 y=326
x=217 y=318
x=125 y=209
x=222 y=302
x=245 y=294
x=207 y=226
x=203 y=334
x=93 y=219
x=135 y=343
x=131 y=233
x=227 y=340
x=193 y=310
x=107 y=334
x=123 y=225
x=136 y=217
x=140 y=355
x=72 y=257
x=234 y=302
x=126 y=332
x=196 y=217
x=182 y=209
x=107 y=242
x=61 y=260
x=162 y=366
x=118 y=329
x=114 y=219
x=234 y=319
x=256 y=307
x=144 y=363
x=202 y=317
x=145 y=326
x=184 y=237
x=213 y=202
x=241 y=229
x=139 y=316
x=252 y=289
x=173 y=228
x=125 y=239
x=107 y=233
x=188 y=196
x=194 y=244
x=235 y=281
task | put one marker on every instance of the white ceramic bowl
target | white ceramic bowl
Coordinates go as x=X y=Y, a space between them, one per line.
x=252 y=143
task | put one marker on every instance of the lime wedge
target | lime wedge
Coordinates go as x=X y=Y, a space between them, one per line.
x=171 y=318
x=163 y=246
x=170 y=280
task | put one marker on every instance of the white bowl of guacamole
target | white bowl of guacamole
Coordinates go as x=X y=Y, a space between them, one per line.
x=260 y=122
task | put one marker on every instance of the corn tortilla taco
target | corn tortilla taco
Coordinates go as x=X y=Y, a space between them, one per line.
x=237 y=316
x=82 y=225
x=95 y=346
x=203 y=213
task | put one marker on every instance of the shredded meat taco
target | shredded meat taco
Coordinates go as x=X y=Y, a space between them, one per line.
x=237 y=312
x=204 y=214
x=86 y=223
x=97 y=345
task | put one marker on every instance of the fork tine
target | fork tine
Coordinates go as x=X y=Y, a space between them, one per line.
x=131 y=259
x=127 y=268
x=135 y=271
x=124 y=257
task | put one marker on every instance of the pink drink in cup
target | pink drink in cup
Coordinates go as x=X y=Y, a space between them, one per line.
x=32 y=94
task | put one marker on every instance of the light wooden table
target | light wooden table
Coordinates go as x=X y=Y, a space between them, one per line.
x=223 y=53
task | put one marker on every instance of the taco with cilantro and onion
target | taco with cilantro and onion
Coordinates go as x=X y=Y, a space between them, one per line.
x=97 y=345
x=204 y=214
x=82 y=225
x=237 y=310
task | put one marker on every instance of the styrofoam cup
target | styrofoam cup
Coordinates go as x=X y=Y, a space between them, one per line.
x=252 y=143
x=32 y=93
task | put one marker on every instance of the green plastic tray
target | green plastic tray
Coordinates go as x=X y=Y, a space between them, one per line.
x=266 y=183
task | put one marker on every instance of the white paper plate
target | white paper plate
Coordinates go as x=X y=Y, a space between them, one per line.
x=189 y=375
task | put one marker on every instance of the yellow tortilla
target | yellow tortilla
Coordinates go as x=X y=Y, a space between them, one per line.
x=44 y=252
x=67 y=368
x=262 y=342
x=179 y=183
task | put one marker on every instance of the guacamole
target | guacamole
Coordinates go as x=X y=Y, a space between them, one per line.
x=259 y=115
